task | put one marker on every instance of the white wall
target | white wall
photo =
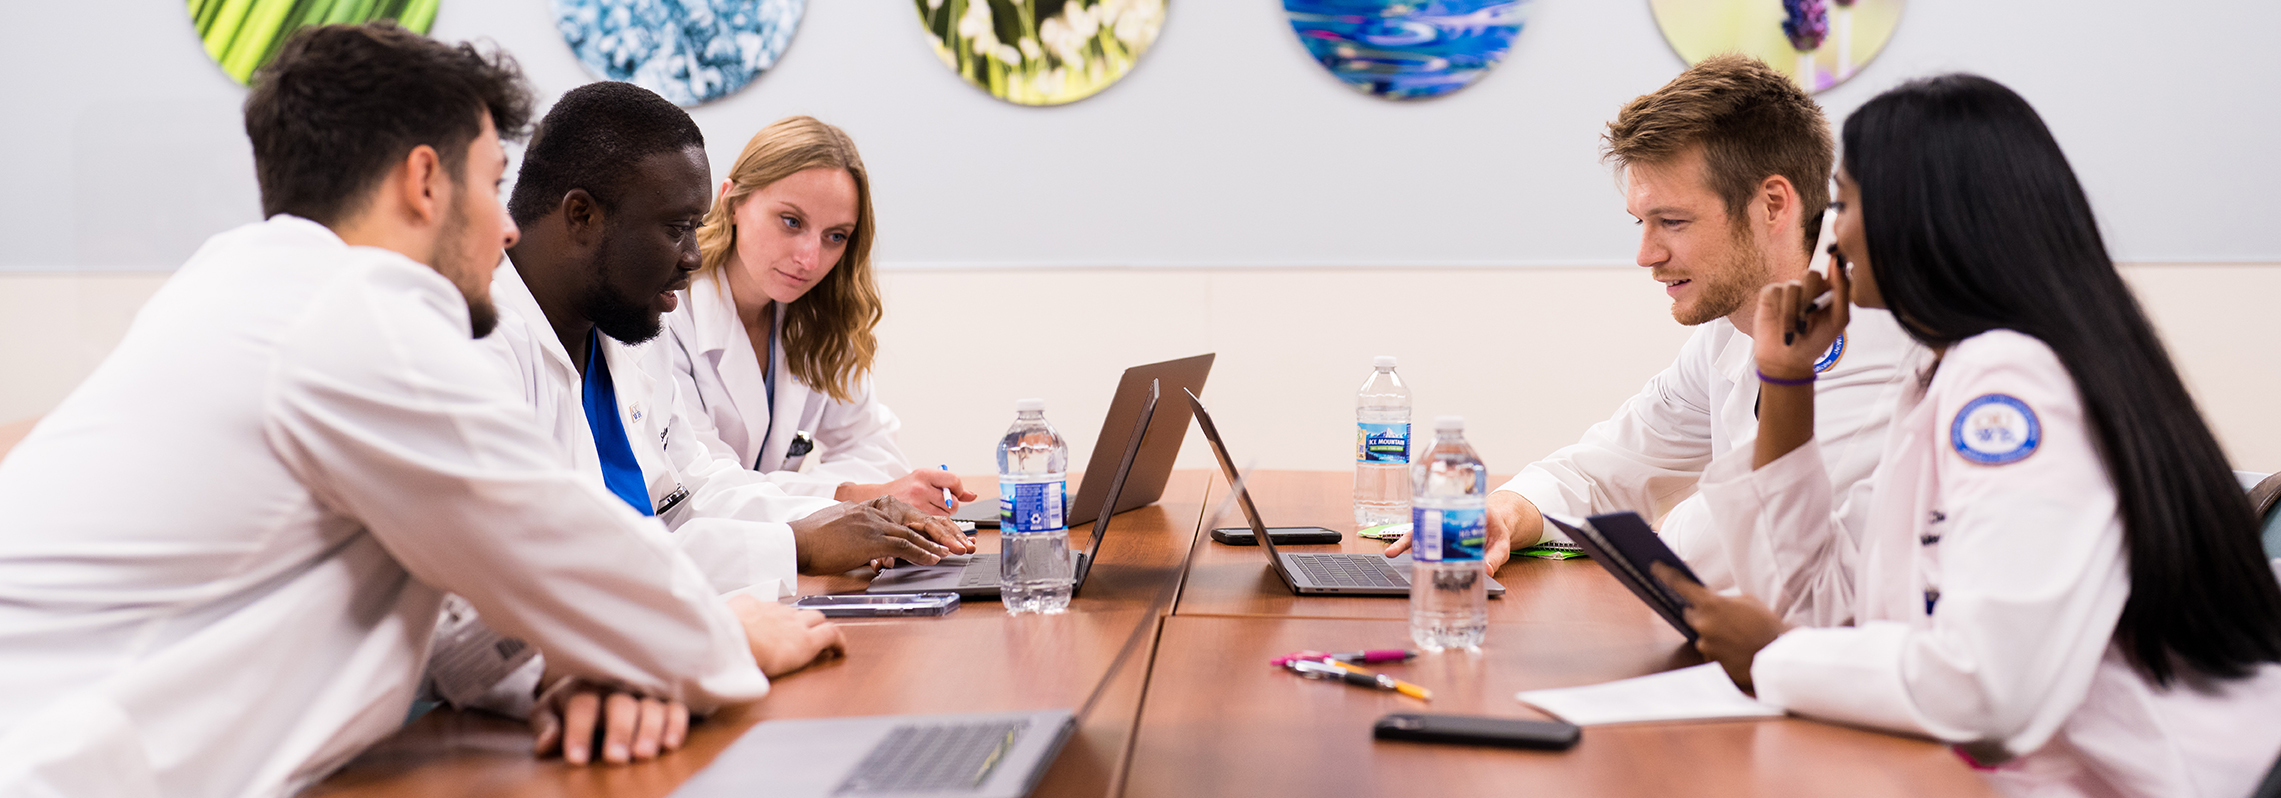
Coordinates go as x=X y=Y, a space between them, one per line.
x=1225 y=147
x=1229 y=197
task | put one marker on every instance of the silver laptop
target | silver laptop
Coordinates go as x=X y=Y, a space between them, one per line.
x=976 y=575
x=1311 y=574
x=997 y=755
x=977 y=755
x=1151 y=469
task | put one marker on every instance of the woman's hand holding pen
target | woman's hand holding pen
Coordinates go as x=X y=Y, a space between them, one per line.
x=1789 y=333
x=922 y=488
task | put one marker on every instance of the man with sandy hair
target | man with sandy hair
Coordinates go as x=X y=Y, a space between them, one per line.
x=1727 y=171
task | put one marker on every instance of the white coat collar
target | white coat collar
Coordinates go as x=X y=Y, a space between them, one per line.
x=720 y=339
x=634 y=384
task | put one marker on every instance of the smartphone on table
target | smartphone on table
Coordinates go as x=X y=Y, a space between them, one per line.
x=1283 y=535
x=891 y=606
x=1550 y=735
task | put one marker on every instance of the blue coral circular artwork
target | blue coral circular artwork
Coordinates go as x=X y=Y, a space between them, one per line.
x=688 y=51
x=1818 y=43
x=1407 y=49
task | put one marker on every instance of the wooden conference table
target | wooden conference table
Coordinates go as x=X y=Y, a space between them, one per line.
x=1169 y=643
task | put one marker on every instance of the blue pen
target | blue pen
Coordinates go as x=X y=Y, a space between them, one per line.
x=947 y=504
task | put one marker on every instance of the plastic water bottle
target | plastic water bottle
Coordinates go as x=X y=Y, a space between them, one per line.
x=1382 y=448
x=1035 y=573
x=1449 y=590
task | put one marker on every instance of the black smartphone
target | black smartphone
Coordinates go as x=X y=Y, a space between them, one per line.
x=1550 y=735
x=889 y=606
x=1284 y=535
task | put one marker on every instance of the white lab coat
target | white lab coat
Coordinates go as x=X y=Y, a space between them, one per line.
x=1647 y=458
x=224 y=551
x=712 y=361
x=733 y=523
x=2023 y=566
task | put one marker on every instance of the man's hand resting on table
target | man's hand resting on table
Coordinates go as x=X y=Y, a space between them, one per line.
x=1511 y=517
x=784 y=639
x=920 y=488
x=849 y=535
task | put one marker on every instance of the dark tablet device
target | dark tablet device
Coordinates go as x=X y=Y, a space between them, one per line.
x=1551 y=735
x=1284 y=535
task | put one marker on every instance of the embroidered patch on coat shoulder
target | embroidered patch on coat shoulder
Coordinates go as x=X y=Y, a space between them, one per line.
x=1995 y=429
x=1830 y=358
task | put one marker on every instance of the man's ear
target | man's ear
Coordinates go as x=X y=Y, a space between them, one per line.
x=582 y=216
x=424 y=188
x=1781 y=199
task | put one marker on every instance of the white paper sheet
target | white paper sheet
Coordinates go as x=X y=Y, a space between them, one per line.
x=1702 y=692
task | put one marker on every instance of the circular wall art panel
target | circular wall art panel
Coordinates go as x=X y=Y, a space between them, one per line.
x=688 y=51
x=1818 y=43
x=242 y=35
x=1041 y=52
x=1407 y=49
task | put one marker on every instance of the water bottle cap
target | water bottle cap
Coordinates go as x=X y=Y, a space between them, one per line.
x=1449 y=423
x=1029 y=405
x=1383 y=361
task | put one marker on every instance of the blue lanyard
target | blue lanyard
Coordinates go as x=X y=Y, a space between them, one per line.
x=768 y=383
x=620 y=471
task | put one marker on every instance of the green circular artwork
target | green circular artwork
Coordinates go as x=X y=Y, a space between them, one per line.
x=241 y=35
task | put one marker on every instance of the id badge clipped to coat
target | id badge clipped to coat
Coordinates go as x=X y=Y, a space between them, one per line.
x=797 y=453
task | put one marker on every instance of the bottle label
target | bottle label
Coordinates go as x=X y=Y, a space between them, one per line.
x=1448 y=535
x=1382 y=443
x=1031 y=506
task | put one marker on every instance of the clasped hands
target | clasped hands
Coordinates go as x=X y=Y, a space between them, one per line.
x=637 y=727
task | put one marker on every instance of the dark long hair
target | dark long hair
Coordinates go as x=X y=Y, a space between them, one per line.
x=1975 y=222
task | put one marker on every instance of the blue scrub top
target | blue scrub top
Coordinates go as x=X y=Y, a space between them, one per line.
x=620 y=471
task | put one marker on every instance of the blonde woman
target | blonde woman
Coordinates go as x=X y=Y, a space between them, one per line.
x=773 y=342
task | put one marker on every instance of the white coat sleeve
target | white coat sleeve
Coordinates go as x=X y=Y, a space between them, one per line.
x=1647 y=455
x=1773 y=531
x=410 y=431
x=735 y=524
x=858 y=442
x=2027 y=568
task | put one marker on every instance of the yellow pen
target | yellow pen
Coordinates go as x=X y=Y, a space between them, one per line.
x=1358 y=677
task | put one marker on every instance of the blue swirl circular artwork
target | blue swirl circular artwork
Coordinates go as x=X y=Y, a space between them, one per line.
x=688 y=51
x=1407 y=50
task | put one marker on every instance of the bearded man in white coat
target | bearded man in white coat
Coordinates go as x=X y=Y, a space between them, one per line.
x=610 y=195
x=1727 y=171
x=226 y=549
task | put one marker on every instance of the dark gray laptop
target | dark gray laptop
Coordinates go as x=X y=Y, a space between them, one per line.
x=1151 y=469
x=1309 y=573
x=976 y=575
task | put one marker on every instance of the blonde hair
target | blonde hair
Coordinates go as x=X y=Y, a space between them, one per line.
x=828 y=337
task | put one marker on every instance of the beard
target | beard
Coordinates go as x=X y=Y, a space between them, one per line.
x=1734 y=281
x=482 y=316
x=628 y=322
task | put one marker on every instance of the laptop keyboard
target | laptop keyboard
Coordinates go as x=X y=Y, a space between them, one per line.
x=1349 y=570
x=982 y=571
x=943 y=758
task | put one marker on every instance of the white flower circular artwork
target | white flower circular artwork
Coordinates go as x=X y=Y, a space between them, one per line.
x=1041 y=52
x=688 y=51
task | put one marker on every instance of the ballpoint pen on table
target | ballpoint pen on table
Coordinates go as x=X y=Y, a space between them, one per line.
x=1316 y=669
x=1366 y=656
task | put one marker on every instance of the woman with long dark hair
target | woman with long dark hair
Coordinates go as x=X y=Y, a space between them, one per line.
x=2061 y=576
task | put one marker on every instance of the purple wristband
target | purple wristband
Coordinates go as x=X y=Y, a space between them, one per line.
x=1772 y=380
